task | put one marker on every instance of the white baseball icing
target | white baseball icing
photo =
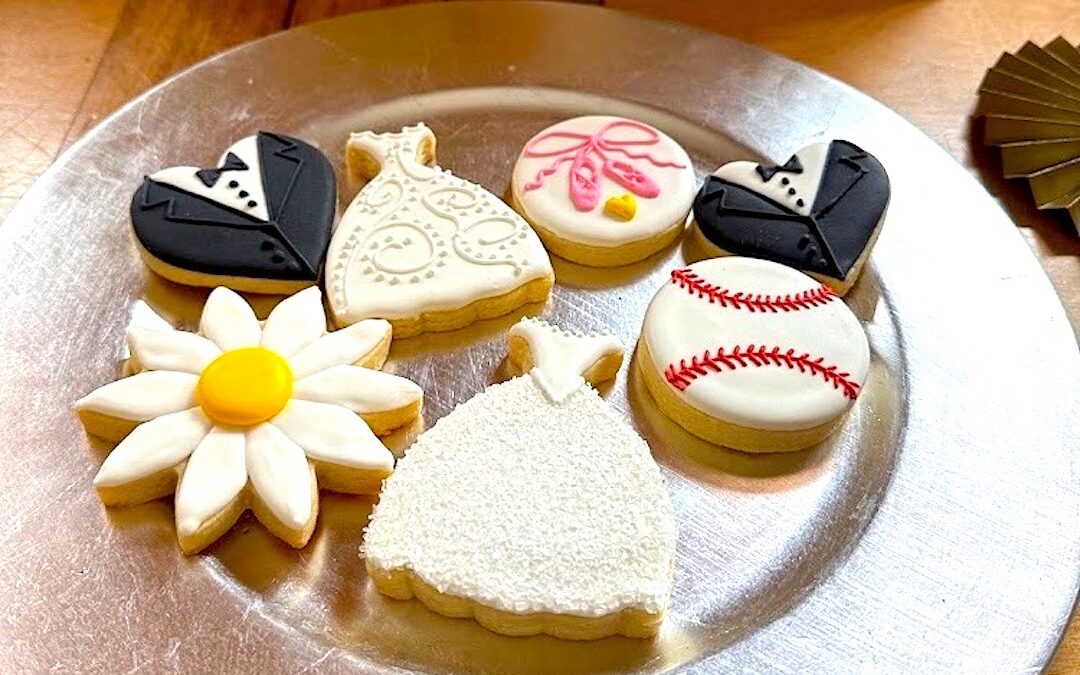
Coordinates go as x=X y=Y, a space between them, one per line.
x=218 y=461
x=550 y=205
x=419 y=239
x=248 y=180
x=527 y=506
x=759 y=393
x=798 y=187
x=562 y=356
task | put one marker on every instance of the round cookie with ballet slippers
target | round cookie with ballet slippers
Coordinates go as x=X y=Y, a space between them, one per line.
x=752 y=355
x=604 y=191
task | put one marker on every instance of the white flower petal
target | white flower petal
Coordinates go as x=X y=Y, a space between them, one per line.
x=330 y=433
x=214 y=475
x=361 y=390
x=154 y=446
x=229 y=321
x=345 y=346
x=171 y=350
x=279 y=473
x=144 y=396
x=296 y=322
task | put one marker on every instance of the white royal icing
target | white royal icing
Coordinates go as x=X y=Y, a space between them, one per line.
x=347 y=345
x=419 y=239
x=799 y=186
x=248 y=180
x=550 y=205
x=680 y=324
x=562 y=356
x=273 y=455
x=144 y=396
x=361 y=390
x=278 y=470
x=171 y=350
x=155 y=446
x=527 y=506
x=214 y=475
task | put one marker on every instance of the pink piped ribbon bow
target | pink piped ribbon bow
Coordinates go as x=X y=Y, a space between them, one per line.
x=584 y=151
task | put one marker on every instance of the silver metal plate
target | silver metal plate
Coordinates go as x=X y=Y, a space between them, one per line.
x=939 y=531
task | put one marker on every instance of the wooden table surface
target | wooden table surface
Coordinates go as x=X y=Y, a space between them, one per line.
x=65 y=64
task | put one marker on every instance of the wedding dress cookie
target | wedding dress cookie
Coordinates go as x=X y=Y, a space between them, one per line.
x=821 y=212
x=602 y=190
x=243 y=415
x=533 y=507
x=752 y=355
x=424 y=249
x=259 y=222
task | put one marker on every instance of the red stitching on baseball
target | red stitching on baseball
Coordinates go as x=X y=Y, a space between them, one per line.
x=680 y=376
x=687 y=279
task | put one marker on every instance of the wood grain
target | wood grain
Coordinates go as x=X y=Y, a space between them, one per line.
x=65 y=64
x=48 y=54
x=154 y=39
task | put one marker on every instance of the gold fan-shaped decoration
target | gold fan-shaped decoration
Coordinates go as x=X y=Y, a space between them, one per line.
x=1031 y=102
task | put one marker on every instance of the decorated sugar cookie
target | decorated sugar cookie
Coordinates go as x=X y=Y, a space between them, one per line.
x=247 y=416
x=602 y=190
x=752 y=355
x=424 y=249
x=533 y=507
x=258 y=222
x=820 y=212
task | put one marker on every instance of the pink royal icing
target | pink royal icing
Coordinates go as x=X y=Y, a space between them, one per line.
x=585 y=177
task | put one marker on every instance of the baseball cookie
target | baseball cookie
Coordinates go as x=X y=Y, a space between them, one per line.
x=752 y=355
x=604 y=191
x=533 y=507
x=424 y=249
x=259 y=222
x=246 y=416
x=821 y=212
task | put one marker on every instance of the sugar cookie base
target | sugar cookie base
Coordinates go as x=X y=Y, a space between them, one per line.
x=601 y=256
x=839 y=286
x=205 y=280
x=720 y=432
x=402 y=584
x=536 y=290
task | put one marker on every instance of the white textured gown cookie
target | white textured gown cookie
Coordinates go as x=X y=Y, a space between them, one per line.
x=604 y=190
x=751 y=354
x=243 y=415
x=424 y=249
x=533 y=507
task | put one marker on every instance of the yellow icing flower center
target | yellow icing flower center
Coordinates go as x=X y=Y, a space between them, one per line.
x=243 y=387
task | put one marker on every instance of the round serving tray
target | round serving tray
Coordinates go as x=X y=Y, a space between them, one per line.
x=939 y=531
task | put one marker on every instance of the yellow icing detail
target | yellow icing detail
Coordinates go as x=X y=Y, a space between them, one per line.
x=244 y=387
x=623 y=207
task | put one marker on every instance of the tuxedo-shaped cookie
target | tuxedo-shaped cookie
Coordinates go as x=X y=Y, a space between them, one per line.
x=820 y=212
x=258 y=222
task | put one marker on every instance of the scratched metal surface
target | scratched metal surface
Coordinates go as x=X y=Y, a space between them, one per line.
x=938 y=532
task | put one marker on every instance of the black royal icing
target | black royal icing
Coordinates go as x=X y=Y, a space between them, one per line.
x=195 y=233
x=850 y=199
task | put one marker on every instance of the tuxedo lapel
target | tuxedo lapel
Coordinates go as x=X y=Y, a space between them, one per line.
x=281 y=163
x=182 y=206
x=845 y=166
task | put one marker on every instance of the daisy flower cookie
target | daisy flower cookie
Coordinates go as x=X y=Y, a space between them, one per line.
x=248 y=415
